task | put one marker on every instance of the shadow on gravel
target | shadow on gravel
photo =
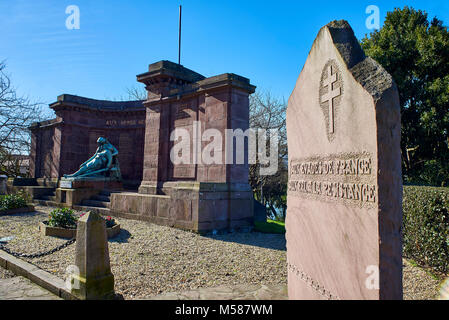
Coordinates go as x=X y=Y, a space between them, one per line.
x=122 y=237
x=256 y=239
x=25 y=214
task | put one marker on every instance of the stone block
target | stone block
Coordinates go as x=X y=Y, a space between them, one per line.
x=344 y=195
x=213 y=210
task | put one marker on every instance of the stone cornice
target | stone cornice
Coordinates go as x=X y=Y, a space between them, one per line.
x=205 y=86
x=45 y=124
x=167 y=69
x=67 y=100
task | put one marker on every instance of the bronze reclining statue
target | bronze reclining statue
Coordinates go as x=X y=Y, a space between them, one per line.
x=102 y=164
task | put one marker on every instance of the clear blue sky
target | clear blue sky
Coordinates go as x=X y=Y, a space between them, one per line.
x=266 y=41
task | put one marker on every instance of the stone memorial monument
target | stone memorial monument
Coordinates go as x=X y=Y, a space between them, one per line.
x=60 y=145
x=345 y=184
x=207 y=116
x=95 y=280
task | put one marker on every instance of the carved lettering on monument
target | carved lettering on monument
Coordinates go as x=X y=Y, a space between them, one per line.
x=124 y=123
x=331 y=90
x=346 y=177
x=111 y=122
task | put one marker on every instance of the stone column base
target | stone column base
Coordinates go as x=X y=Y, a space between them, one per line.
x=196 y=206
x=93 y=288
x=73 y=192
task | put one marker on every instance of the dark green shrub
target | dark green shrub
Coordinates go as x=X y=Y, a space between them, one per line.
x=426 y=226
x=62 y=218
x=13 y=201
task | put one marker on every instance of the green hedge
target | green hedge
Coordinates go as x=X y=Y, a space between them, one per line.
x=13 y=201
x=426 y=226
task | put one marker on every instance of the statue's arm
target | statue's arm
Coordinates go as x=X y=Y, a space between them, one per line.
x=113 y=150
x=108 y=154
x=84 y=163
x=91 y=158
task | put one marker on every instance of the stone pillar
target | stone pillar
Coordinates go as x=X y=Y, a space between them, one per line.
x=92 y=259
x=161 y=79
x=203 y=196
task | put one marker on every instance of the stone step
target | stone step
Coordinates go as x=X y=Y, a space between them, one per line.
x=47 y=203
x=100 y=197
x=105 y=193
x=102 y=211
x=48 y=198
x=95 y=203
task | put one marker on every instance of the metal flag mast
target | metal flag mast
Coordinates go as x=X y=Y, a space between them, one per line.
x=179 y=39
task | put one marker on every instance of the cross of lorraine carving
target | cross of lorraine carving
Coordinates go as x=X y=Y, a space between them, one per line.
x=330 y=95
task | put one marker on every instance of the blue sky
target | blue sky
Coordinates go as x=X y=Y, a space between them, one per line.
x=266 y=41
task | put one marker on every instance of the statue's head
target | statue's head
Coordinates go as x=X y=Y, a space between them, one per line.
x=101 y=140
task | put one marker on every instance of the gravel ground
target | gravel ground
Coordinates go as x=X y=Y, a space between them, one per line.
x=418 y=284
x=147 y=259
x=6 y=274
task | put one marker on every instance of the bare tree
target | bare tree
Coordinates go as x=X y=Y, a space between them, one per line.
x=268 y=112
x=17 y=113
x=137 y=93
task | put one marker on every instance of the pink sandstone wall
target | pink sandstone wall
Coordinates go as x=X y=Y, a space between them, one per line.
x=61 y=146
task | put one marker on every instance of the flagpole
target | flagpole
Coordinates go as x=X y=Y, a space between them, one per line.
x=179 y=40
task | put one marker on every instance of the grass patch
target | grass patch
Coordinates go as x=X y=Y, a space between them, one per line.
x=270 y=226
x=436 y=276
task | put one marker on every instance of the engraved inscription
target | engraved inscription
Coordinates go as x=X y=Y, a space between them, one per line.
x=345 y=177
x=116 y=123
x=349 y=191
x=353 y=166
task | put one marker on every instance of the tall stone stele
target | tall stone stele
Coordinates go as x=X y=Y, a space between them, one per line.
x=95 y=280
x=345 y=183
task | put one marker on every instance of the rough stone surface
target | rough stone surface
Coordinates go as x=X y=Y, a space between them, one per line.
x=92 y=259
x=345 y=187
x=238 y=292
x=20 y=288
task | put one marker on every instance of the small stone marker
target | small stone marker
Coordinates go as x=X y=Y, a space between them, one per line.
x=345 y=183
x=95 y=280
